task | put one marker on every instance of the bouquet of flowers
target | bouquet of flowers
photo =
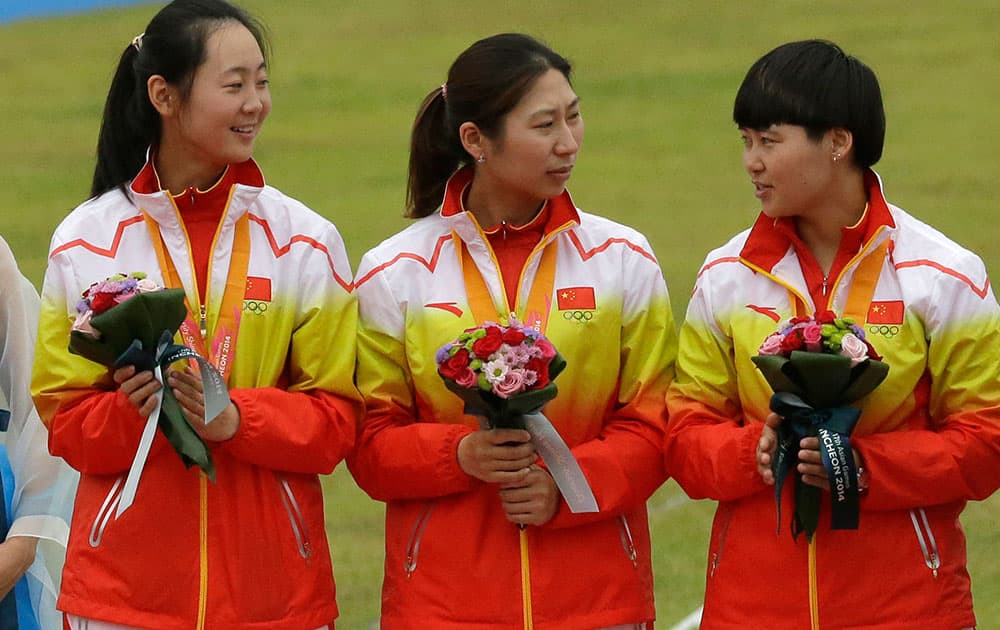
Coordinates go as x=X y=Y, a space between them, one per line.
x=816 y=366
x=501 y=372
x=504 y=374
x=127 y=319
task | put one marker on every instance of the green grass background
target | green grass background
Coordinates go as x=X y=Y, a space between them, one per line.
x=657 y=81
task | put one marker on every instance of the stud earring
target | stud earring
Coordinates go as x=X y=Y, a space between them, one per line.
x=481 y=158
x=836 y=156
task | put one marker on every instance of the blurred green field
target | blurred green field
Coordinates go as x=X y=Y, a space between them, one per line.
x=657 y=80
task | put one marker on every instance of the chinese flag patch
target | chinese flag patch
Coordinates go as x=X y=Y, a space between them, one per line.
x=890 y=312
x=573 y=298
x=258 y=289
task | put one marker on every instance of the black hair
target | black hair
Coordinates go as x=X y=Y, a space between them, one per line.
x=173 y=46
x=484 y=84
x=814 y=84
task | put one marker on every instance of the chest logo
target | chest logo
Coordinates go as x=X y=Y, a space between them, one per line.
x=769 y=311
x=577 y=303
x=886 y=312
x=885 y=317
x=257 y=295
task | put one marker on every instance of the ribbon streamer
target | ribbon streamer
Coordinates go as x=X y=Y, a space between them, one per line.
x=561 y=464
x=558 y=459
x=833 y=428
x=216 y=400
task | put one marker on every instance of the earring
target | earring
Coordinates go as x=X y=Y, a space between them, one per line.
x=836 y=156
x=481 y=158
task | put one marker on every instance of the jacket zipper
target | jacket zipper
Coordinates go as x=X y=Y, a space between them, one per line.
x=628 y=544
x=717 y=555
x=203 y=321
x=298 y=523
x=928 y=544
x=104 y=514
x=416 y=534
x=526 y=607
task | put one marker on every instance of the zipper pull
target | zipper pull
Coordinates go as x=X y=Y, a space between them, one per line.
x=825 y=278
x=191 y=192
x=503 y=226
x=204 y=322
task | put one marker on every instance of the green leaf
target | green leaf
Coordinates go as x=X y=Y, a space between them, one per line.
x=865 y=377
x=182 y=436
x=770 y=365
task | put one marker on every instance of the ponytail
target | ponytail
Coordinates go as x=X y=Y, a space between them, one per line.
x=484 y=84
x=130 y=125
x=435 y=153
x=173 y=47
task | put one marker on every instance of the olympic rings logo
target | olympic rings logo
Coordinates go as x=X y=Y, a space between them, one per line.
x=579 y=316
x=255 y=306
x=885 y=331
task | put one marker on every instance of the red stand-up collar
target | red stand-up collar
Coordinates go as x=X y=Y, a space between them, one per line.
x=770 y=238
x=557 y=212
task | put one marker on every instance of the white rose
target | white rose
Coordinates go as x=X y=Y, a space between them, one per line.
x=146 y=285
x=854 y=349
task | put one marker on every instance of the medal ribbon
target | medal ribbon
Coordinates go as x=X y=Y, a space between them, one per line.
x=215 y=363
x=223 y=347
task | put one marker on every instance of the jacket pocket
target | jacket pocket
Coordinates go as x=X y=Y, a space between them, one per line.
x=925 y=536
x=628 y=544
x=721 y=545
x=416 y=534
x=298 y=523
x=104 y=514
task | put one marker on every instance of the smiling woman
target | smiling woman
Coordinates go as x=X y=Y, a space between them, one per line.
x=175 y=187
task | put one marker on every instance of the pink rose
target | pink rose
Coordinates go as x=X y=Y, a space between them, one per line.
x=122 y=297
x=466 y=378
x=854 y=349
x=812 y=334
x=82 y=324
x=511 y=383
x=771 y=345
x=548 y=350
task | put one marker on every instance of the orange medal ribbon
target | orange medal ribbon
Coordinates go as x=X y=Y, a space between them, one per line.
x=227 y=320
x=536 y=313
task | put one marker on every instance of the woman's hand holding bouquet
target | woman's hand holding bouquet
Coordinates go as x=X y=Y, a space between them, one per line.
x=815 y=366
x=127 y=322
x=504 y=374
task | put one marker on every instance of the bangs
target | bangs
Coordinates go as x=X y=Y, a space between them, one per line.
x=791 y=91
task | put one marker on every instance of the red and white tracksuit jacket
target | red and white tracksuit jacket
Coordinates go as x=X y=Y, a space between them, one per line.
x=452 y=559
x=929 y=434
x=248 y=551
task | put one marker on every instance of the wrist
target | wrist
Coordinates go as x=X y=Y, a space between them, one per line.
x=863 y=480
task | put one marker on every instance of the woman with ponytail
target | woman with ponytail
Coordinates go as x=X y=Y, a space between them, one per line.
x=477 y=533
x=177 y=195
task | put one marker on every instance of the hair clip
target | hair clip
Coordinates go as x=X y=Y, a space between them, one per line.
x=137 y=41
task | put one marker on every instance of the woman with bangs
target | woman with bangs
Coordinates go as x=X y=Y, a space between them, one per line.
x=928 y=438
